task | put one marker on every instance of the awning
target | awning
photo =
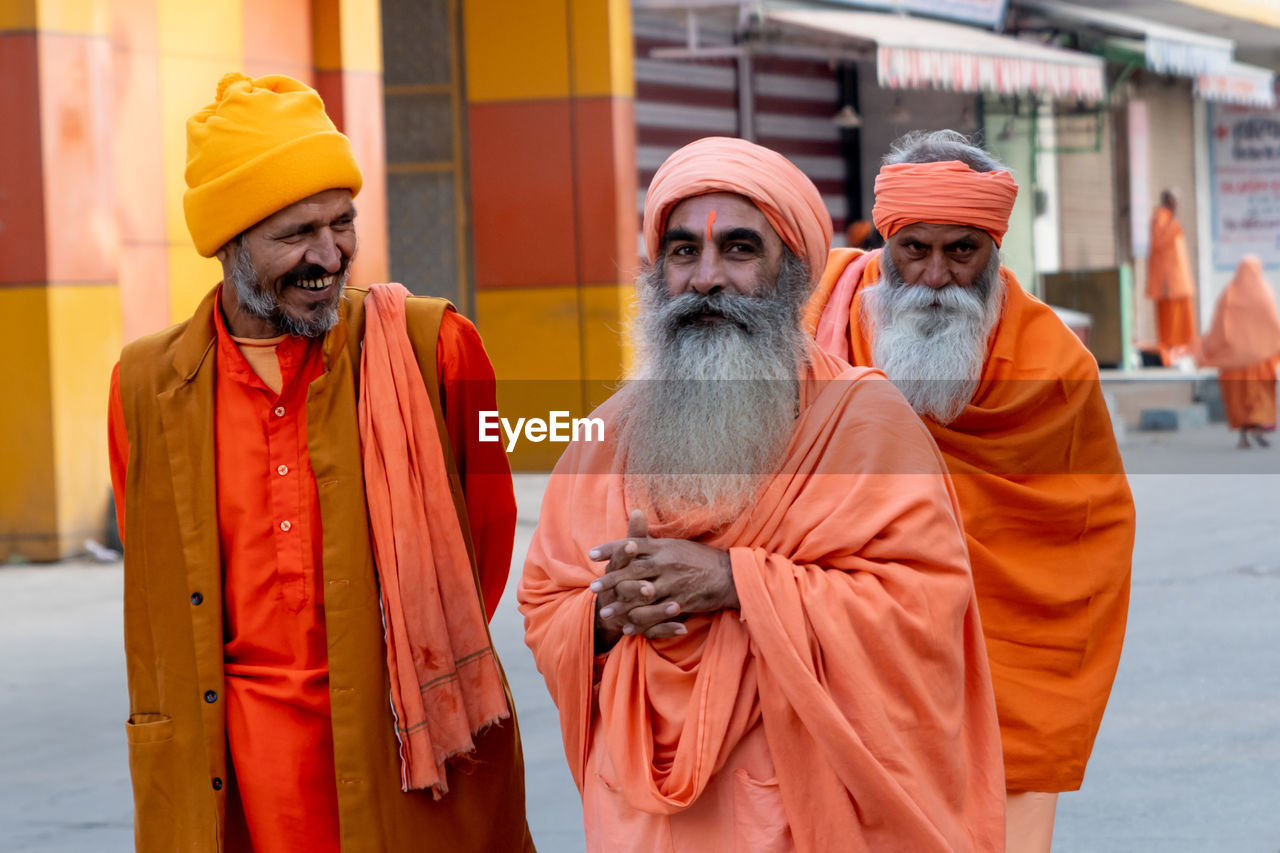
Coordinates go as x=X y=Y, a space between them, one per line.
x=919 y=53
x=1168 y=50
x=1247 y=85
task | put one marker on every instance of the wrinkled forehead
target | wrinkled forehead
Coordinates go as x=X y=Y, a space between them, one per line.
x=941 y=234
x=710 y=213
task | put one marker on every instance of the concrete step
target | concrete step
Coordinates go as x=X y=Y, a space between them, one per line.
x=1174 y=418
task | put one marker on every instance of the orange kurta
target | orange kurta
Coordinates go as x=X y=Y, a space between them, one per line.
x=1244 y=342
x=1049 y=519
x=279 y=732
x=845 y=706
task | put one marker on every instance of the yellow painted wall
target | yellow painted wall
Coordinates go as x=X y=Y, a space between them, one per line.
x=27 y=499
x=84 y=343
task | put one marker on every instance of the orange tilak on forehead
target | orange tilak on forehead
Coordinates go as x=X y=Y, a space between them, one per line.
x=711 y=220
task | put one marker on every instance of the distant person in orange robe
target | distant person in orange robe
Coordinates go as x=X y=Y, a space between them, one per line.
x=751 y=601
x=257 y=471
x=1244 y=344
x=1169 y=281
x=1012 y=398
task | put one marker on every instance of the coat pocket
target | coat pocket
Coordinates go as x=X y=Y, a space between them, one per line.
x=155 y=797
x=148 y=728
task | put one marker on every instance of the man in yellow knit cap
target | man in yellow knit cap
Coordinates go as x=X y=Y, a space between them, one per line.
x=262 y=459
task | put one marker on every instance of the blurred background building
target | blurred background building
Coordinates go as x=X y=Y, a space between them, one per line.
x=506 y=146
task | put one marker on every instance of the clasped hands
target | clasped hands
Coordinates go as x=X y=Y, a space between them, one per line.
x=649 y=585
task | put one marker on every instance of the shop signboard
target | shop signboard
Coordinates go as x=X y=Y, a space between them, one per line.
x=1244 y=170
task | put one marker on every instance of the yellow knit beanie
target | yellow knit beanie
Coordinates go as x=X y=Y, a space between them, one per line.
x=262 y=145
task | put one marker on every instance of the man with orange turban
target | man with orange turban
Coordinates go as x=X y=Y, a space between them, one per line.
x=295 y=467
x=1169 y=281
x=751 y=600
x=1012 y=399
x=1244 y=344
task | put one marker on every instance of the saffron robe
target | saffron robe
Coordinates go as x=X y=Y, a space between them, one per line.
x=845 y=706
x=1243 y=341
x=1049 y=520
x=1169 y=282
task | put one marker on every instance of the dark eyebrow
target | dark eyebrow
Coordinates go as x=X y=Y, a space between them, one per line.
x=678 y=235
x=743 y=235
x=962 y=243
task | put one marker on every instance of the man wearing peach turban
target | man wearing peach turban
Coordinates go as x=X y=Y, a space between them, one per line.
x=1244 y=344
x=751 y=600
x=1012 y=399
x=313 y=535
x=1169 y=282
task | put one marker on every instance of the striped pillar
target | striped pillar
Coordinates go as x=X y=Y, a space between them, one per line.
x=59 y=265
x=94 y=249
x=552 y=165
x=347 y=51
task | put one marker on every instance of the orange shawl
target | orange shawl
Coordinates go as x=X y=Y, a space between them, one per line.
x=445 y=684
x=1049 y=519
x=1168 y=268
x=1246 y=328
x=857 y=647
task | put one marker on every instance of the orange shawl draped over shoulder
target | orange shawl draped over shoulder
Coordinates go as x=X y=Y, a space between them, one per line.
x=1048 y=515
x=1246 y=326
x=857 y=648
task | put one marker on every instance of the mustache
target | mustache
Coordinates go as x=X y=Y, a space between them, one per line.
x=308 y=272
x=689 y=308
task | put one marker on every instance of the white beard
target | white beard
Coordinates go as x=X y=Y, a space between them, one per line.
x=712 y=406
x=933 y=343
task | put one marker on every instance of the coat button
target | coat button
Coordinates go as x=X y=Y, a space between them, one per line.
x=217 y=783
x=197 y=598
x=210 y=696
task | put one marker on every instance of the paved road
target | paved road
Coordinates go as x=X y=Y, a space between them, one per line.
x=1188 y=759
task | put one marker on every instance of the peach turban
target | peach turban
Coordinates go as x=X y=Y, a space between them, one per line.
x=716 y=164
x=262 y=145
x=943 y=193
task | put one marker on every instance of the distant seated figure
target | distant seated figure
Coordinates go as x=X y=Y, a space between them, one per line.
x=1244 y=344
x=1169 y=280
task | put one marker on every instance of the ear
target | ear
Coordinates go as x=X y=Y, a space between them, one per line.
x=226 y=256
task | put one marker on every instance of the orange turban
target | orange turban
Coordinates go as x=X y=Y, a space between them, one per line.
x=720 y=164
x=944 y=193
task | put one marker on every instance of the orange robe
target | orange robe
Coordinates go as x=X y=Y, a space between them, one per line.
x=845 y=706
x=1050 y=523
x=1243 y=341
x=279 y=732
x=1169 y=282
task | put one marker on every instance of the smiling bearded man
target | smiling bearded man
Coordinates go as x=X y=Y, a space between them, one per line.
x=751 y=602
x=259 y=452
x=1012 y=398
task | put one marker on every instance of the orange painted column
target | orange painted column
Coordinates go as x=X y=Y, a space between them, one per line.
x=59 y=265
x=551 y=127
x=347 y=50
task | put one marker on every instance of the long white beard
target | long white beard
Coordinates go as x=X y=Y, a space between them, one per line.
x=933 y=343
x=711 y=407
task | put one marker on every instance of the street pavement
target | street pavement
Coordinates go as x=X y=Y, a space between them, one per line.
x=1188 y=759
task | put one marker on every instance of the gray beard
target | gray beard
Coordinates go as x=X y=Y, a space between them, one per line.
x=933 y=343
x=711 y=407
x=255 y=300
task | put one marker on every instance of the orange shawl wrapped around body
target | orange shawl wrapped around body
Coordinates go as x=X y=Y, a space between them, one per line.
x=854 y=671
x=1168 y=268
x=1048 y=515
x=1244 y=343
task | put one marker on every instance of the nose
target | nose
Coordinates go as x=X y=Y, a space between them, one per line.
x=936 y=274
x=708 y=276
x=324 y=251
